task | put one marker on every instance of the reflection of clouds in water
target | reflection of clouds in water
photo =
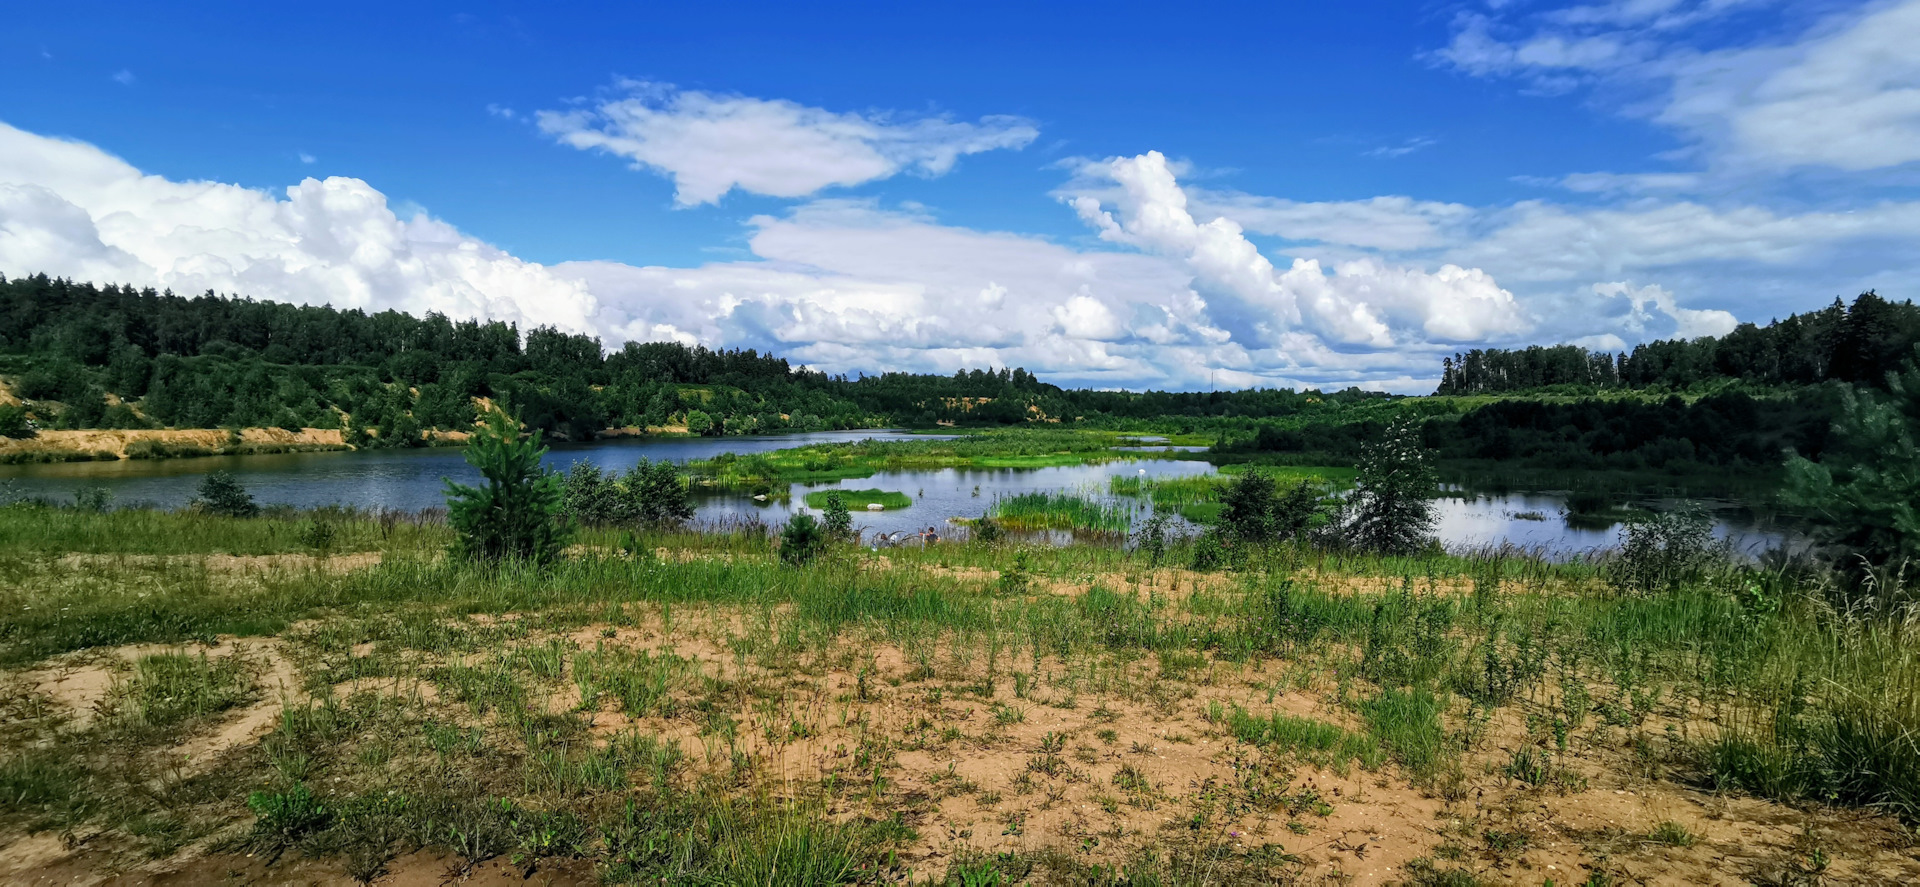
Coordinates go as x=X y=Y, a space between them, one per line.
x=948 y=493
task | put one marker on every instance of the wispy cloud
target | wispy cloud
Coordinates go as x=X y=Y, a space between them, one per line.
x=123 y=77
x=1409 y=146
x=711 y=143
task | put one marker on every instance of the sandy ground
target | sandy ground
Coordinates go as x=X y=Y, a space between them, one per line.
x=1091 y=758
x=116 y=442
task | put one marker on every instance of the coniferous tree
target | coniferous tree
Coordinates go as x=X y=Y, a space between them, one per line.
x=517 y=514
x=1866 y=486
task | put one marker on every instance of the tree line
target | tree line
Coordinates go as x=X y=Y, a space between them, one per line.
x=1858 y=343
x=112 y=356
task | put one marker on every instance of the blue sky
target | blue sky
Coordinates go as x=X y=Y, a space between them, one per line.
x=1112 y=194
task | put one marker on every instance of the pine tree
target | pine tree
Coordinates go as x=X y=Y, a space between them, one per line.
x=1866 y=486
x=518 y=513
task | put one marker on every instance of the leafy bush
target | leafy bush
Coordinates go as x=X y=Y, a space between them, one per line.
x=318 y=534
x=1391 y=508
x=518 y=514
x=1662 y=550
x=802 y=540
x=838 y=522
x=94 y=498
x=1254 y=510
x=986 y=531
x=221 y=494
x=651 y=493
x=1864 y=486
x=14 y=422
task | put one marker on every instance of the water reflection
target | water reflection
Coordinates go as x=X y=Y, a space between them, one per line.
x=1561 y=515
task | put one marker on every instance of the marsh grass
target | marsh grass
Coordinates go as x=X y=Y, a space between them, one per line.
x=1060 y=511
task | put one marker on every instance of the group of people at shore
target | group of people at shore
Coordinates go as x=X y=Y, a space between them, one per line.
x=927 y=536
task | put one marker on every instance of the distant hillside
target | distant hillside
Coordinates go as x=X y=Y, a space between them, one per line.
x=83 y=356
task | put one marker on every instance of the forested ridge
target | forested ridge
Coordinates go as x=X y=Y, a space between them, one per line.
x=91 y=356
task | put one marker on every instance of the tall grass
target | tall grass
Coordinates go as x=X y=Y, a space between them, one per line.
x=1060 y=511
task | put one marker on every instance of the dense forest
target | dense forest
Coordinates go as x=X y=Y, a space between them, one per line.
x=1860 y=344
x=90 y=356
x=1725 y=431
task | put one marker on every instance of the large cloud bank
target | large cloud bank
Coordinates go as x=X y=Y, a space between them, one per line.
x=1176 y=299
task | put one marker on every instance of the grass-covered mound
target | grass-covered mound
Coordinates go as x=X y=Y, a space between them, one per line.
x=860 y=499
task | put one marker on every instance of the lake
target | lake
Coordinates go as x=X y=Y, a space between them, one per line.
x=1475 y=512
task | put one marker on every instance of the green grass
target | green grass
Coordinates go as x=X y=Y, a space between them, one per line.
x=858 y=500
x=1000 y=448
x=1059 y=511
x=1316 y=742
x=171 y=689
x=26 y=528
x=1806 y=706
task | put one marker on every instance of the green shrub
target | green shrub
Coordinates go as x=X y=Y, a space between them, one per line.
x=802 y=540
x=1391 y=508
x=651 y=493
x=1662 y=550
x=838 y=522
x=14 y=422
x=93 y=498
x=518 y=514
x=221 y=494
x=987 y=531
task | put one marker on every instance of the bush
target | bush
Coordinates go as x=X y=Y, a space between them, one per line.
x=96 y=499
x=1662 y=550
x=519 y=513
x=838 y=521
x=221 y=494
x=651 y=493
x=802 y=540
x=986 y=531
x=318 y=535
x=14 y=422
x=1391 y=508
x=1864 y=487
x=1254 y=510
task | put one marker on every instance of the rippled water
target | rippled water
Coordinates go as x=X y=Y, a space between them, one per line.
x=412 y=479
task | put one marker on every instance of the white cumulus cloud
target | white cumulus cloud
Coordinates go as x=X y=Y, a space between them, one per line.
x=68 y=208
x=1365 y=302
x=711 y=143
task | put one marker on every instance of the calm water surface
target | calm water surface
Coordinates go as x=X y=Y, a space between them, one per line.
x=1474 y=513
